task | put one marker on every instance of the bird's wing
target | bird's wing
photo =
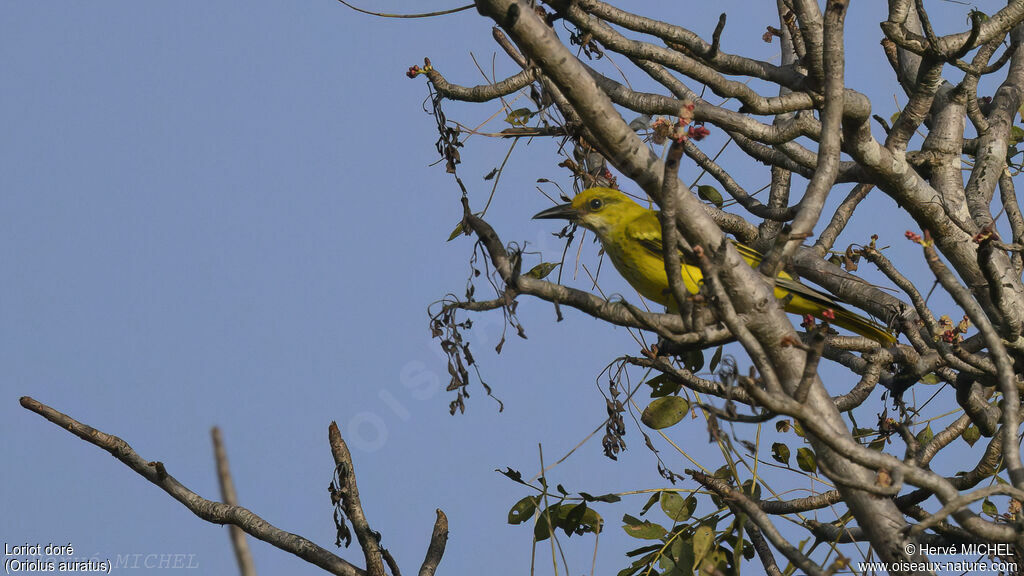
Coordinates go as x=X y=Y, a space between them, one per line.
x=753 y=257
x=785 y=282
x=805 y=291
x=646 y=230
x=800 y=298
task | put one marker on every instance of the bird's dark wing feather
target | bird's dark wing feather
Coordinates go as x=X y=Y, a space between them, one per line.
x=649 y=237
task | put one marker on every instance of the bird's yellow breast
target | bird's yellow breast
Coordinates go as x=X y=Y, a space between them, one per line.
x=645 y=271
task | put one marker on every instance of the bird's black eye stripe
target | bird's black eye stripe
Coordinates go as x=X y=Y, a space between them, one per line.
x=596 y=204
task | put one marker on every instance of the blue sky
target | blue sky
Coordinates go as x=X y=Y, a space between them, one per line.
x=224 y=213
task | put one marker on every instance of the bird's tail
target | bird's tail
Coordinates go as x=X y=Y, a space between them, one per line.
x=861 y=325
x=803 y=300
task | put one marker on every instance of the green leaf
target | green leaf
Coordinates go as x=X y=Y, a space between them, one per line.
x=798 y=428
x=665 y=412
x=752 y=489
x=663 y=385
x=925 y=436
x=782 y=426
x=514 y=475
x=681 y=553
x=630 y=570
x=573 y=519
x=723 y=473
x=749 y=552
x=519 y=116
x=650 y=502
x=715 y=359
x=895 y=116
x=643 y=550
x=714 y=563
x=610 y=498
x=591 y=521
x=459 y=230
x=971 y=434
x=643 y=529
x=693 y=360
x=542 y=529
x=540 y=271
x=522 y=510
x=642 y=562
x=1016 y=135
x=836 y=260
x=930 y=379
x=710 y=194
x=677 y=508
x=780 y=453
x=805 y=460
x=703 y=540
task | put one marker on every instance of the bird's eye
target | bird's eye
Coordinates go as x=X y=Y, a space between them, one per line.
x=596 y=204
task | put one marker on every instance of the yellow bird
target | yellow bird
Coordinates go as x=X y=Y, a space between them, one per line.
x=631 y=236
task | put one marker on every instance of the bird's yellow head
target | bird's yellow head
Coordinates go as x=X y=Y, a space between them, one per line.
x=597 y=209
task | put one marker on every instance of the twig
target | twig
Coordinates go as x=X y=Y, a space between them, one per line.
x=246 y=567
x=764 y=552
x=390 y=561
x=716 y=38
x=841 y=217
x=423 y=15
x=814 y=349
x=963 y=501
x=669 y=234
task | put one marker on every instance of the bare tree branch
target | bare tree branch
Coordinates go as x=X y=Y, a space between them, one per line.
x=369 y=540
x=435 y=550
x=215 y=512
x=246 y=567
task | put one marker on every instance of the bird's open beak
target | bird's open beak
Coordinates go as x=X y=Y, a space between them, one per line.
x=562 y=211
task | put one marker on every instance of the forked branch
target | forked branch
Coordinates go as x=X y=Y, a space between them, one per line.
x=223 y=513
